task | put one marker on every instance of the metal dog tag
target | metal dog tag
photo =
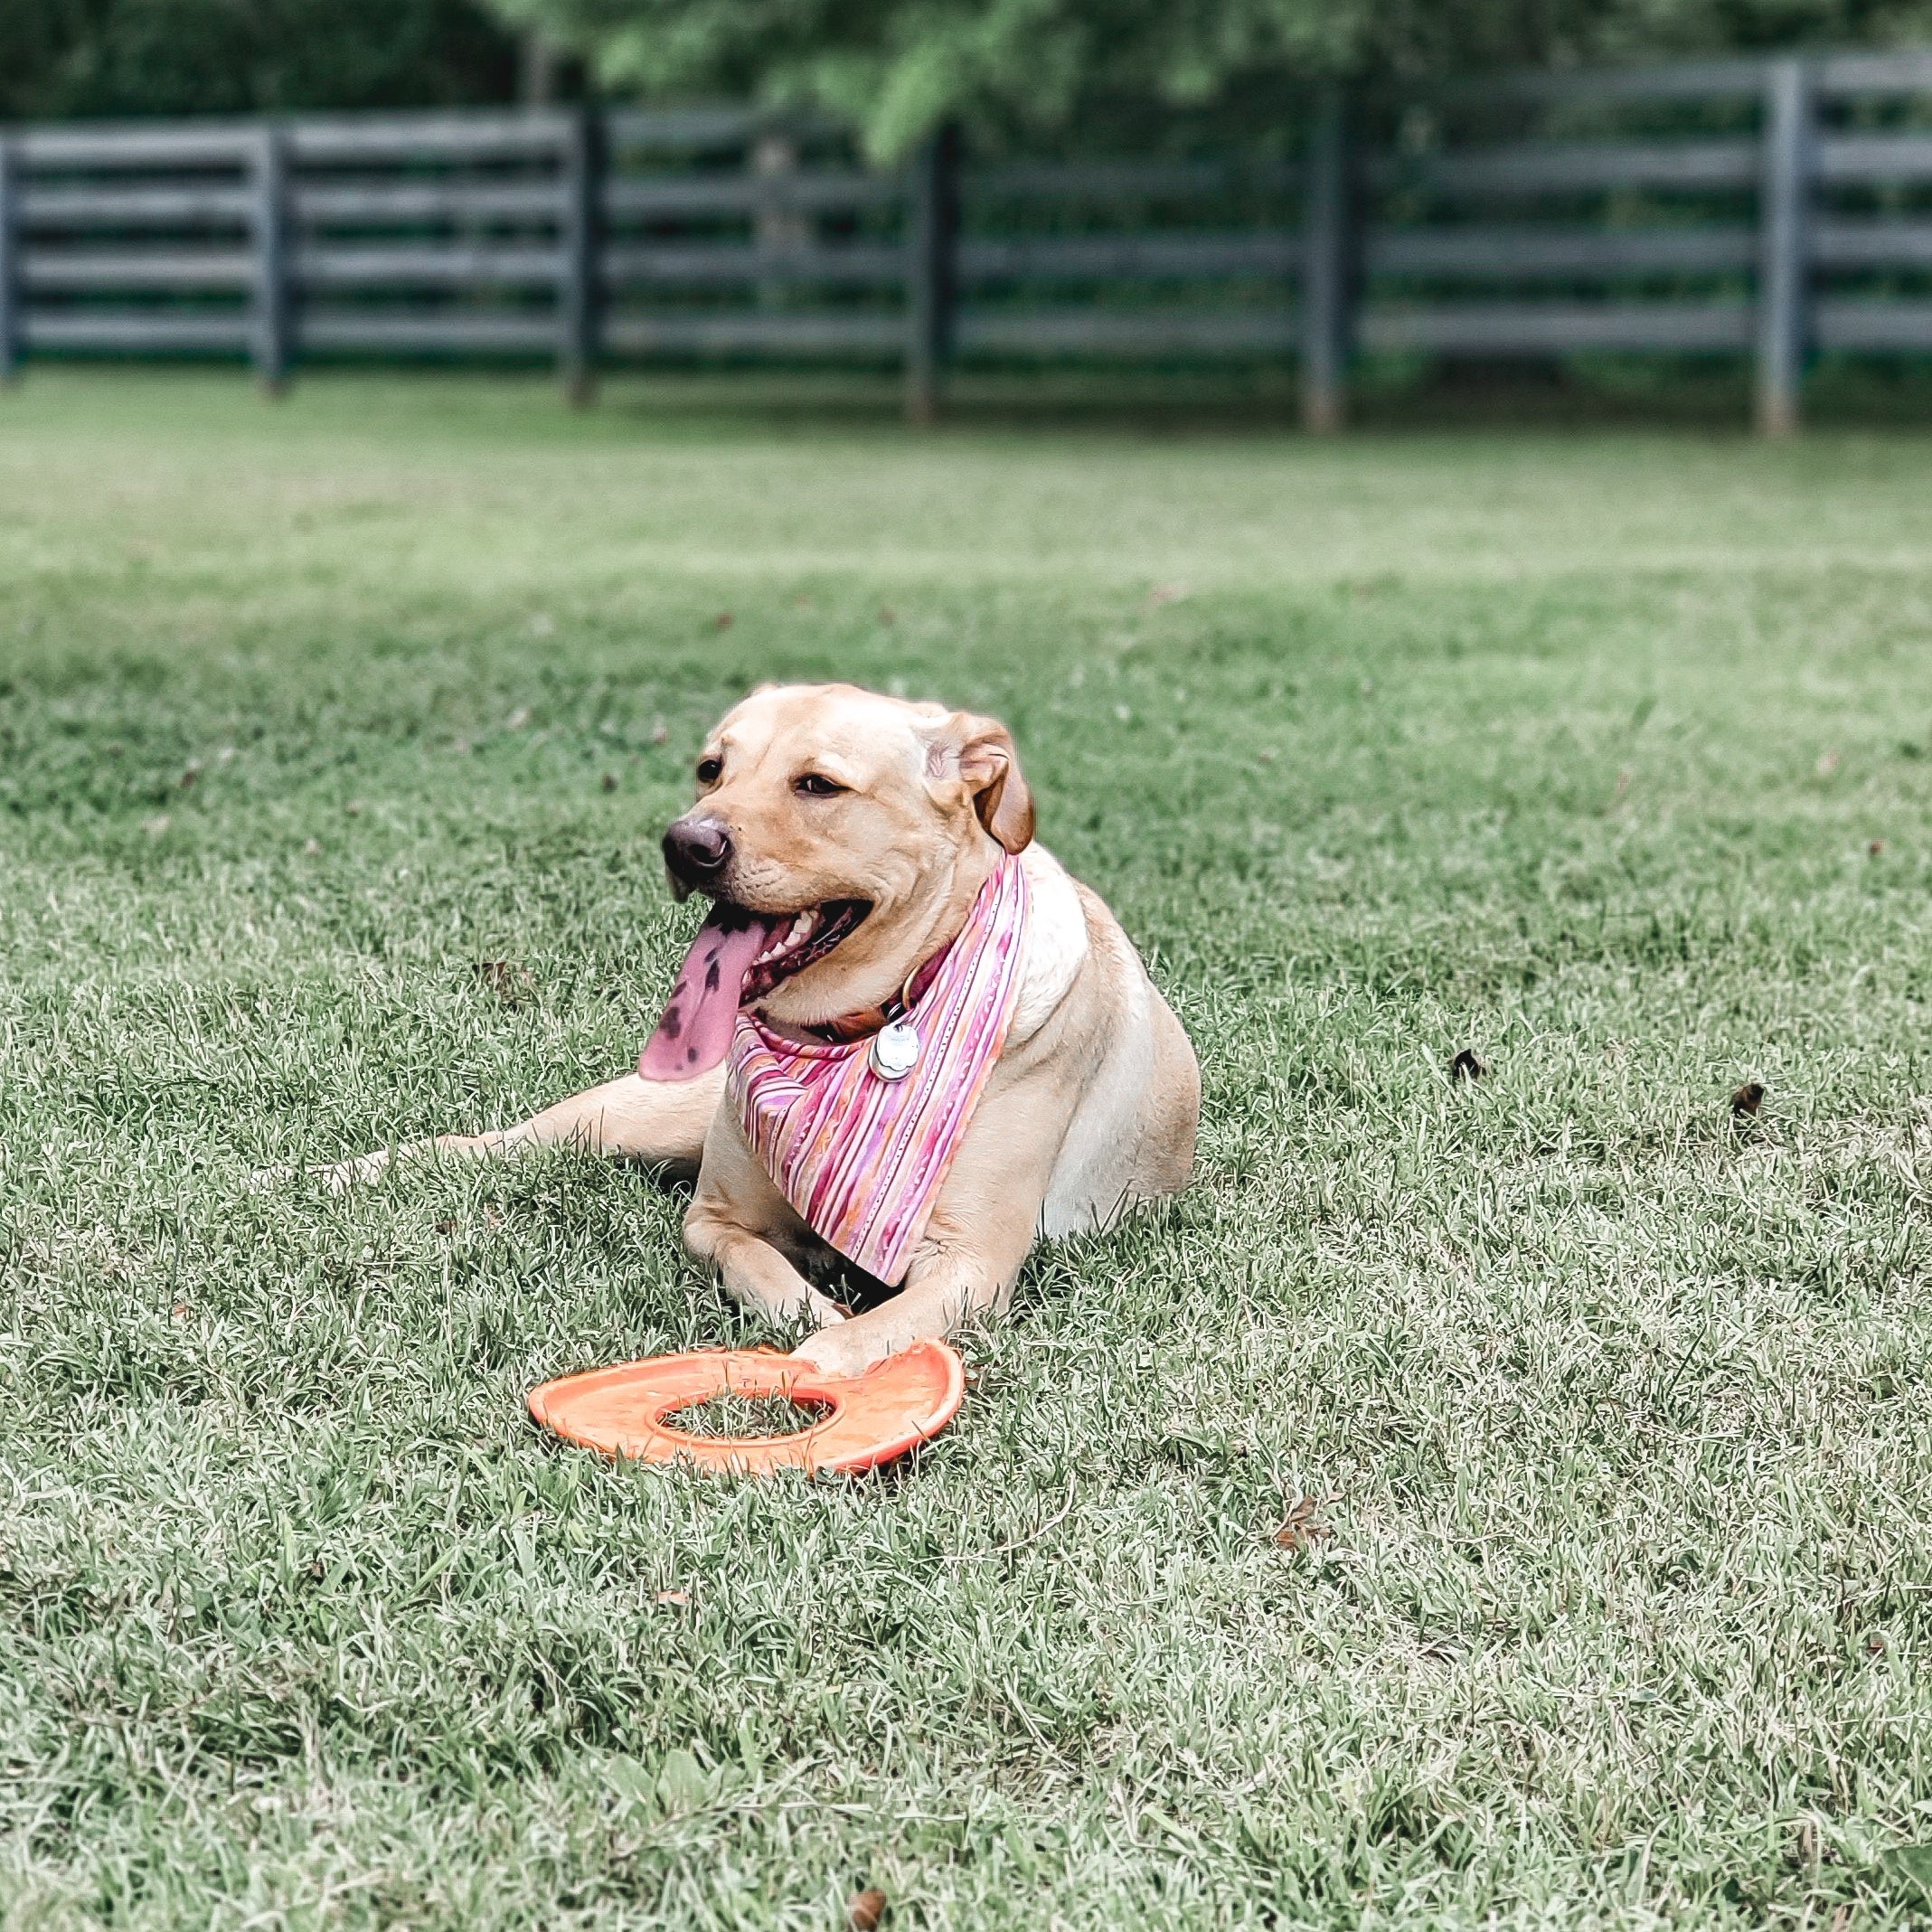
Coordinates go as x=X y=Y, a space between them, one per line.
x=895 y=1051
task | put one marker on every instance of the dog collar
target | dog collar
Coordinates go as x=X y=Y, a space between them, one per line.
x=864 y=1025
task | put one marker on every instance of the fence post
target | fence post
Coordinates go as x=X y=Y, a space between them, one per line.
x=269 y=330
x=12 y=335
x=931 y=281
x=778 y=228
x=1328 y=267
x=1784 y=263
x=580 y=240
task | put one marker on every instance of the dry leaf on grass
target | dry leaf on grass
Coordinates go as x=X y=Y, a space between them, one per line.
x=675 y=1600
x=866 y=1910
x=1465 y=1066
x=504 y=977
x=1302 y=1530
x=1748 y=1098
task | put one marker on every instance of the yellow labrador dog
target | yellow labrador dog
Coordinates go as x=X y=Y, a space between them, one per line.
x=844 y=840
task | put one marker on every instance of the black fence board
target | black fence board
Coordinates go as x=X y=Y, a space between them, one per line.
x=43 y=207
x=1099 y=180
x=1679 y=80
x=418 y=264
x=818 y=192
x=1547 y=167
x=1102 y=257
x=1548 y=252
x=467 y=135
x=1903 y=71
x=1545 y=328
x=1878 y=326
x=111 y=147
x=70 y=269
x=740 y=335
x=742 y=265
x=1878 y=244
x=132 y=332
x=1098 y=332
x=431 y=332
x=1874 y=158
x=416 y=204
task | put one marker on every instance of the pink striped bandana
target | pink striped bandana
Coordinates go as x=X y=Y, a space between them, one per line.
x=862 y=1158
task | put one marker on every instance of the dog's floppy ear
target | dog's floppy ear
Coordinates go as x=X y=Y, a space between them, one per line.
x=981 y=751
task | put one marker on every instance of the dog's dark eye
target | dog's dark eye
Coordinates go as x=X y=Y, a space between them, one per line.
x=816 y=785
x=710 y=770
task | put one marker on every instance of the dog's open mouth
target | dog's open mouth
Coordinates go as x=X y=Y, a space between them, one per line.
x=737 y=956
x=810 y=936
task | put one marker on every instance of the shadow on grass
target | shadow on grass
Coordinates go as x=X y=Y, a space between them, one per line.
x=1389 y=396
x=1605 y=392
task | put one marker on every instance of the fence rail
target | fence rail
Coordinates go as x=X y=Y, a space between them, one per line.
x=1767 y=208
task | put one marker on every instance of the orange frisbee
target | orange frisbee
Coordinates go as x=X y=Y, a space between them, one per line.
x=869 y=1418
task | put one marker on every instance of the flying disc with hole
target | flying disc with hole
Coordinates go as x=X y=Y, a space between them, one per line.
x=868 y=1420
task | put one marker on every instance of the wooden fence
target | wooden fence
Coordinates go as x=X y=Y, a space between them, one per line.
x=1759 y=208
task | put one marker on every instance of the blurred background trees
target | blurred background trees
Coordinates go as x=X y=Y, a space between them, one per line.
x=113 y=57
x=1032 y=68
x=1014 y=69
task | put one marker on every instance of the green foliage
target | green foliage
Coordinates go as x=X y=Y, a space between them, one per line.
x=116 y=57
x=1031 y=67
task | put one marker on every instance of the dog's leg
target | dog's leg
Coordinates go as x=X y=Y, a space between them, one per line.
x=660 y=1121
x=733 y=1211
x=757 y=1275
x=930 y=1310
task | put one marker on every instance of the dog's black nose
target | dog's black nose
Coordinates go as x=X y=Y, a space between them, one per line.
x=696 y=850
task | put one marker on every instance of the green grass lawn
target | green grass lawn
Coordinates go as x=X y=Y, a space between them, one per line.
x=334 y=743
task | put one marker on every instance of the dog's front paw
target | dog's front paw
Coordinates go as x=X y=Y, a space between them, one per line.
x=345 y=1174
x=846 y=1349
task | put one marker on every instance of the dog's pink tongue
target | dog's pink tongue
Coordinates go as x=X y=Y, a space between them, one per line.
x=702 y=1010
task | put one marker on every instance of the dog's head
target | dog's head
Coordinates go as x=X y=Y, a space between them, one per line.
x=837 y=832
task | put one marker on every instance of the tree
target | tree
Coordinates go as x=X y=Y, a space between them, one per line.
x=113 y=57
x=896 y=68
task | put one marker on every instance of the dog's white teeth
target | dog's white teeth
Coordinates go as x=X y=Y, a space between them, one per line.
x=796 y=935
